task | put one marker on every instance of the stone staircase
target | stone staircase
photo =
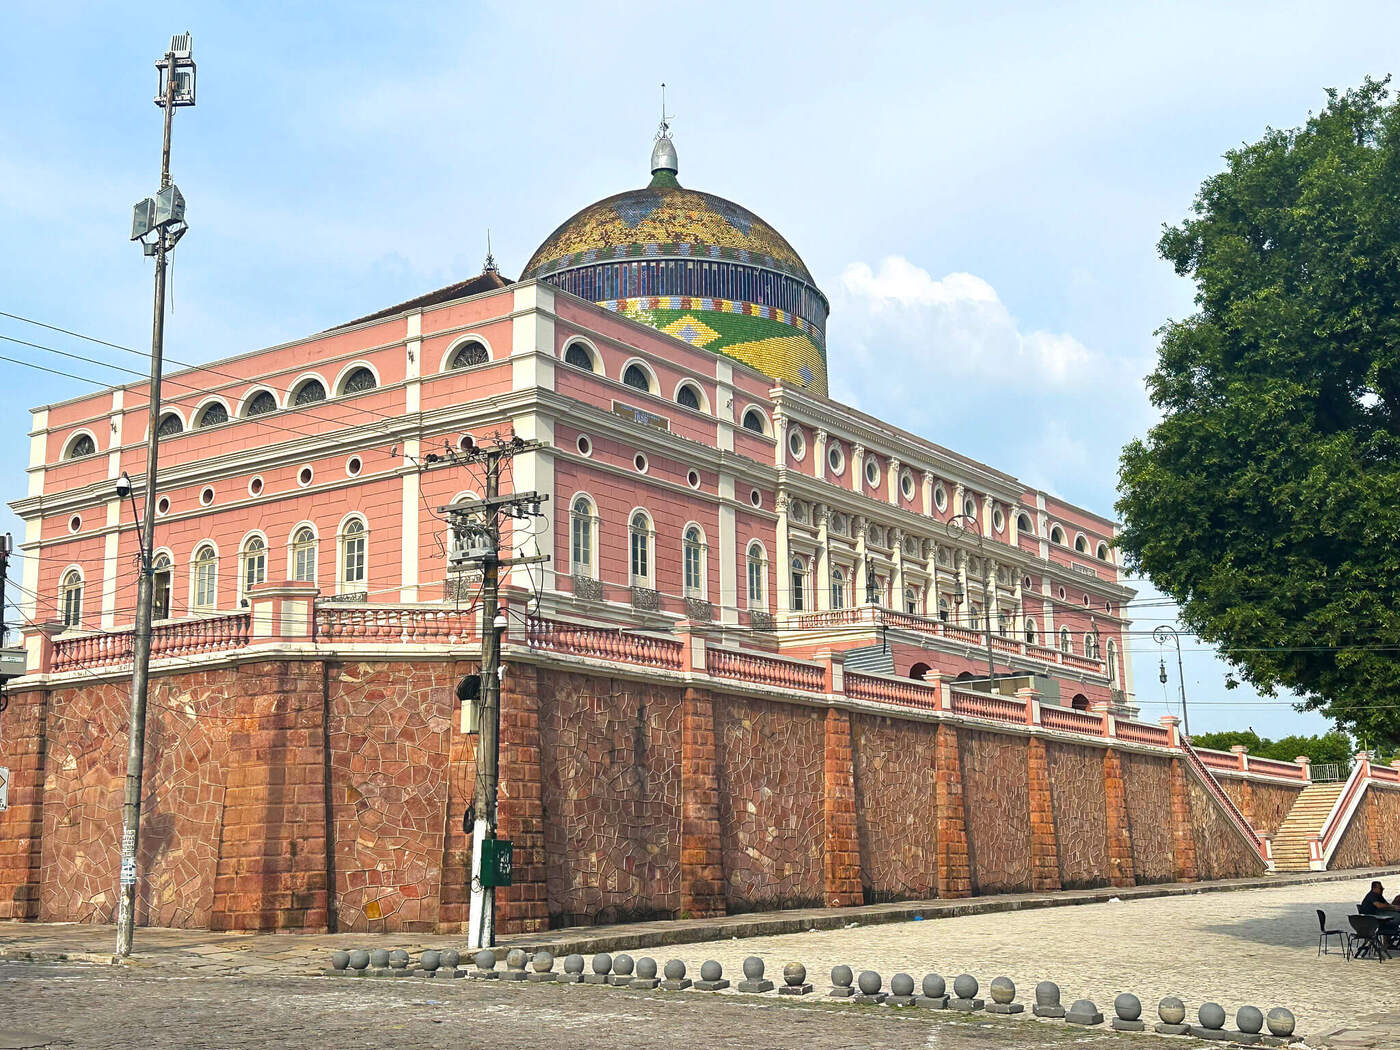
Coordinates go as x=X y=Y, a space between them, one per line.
x=1306 y=818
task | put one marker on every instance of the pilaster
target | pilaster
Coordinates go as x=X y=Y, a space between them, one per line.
x=1183 y=841
x=523 y=907
x=842 y=853
x=23 y=748
x=1120 y=842
x=954 y=872
x=702 y=861
x=1045 y=856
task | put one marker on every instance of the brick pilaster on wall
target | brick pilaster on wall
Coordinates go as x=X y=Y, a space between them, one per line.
x=954 y=871
x=1045 y=855
x=702 y=859
x=842 y=853
x=1246 y=802
x=23 y=746
x=522 y=907
x=1120 y=840
x=454 y=901
x=272 y=867
x=1184 y=867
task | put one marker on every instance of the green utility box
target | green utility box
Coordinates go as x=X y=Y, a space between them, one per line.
x=497 y=862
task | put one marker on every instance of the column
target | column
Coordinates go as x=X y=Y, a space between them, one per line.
x=927 y=493
x=1120 y=843
x=964 y=611
x=819 y=455
x=860 y=576
x=23 y=732
x=1183 y=839
x=1045 y=857
x=702 y=861
x=897 y=572
x=931 y=593
x=522 y=907
x=782 y=577
x=892 y=478
x=954 y=872
x=857 y=477
x=821 y=561
x=842 y=853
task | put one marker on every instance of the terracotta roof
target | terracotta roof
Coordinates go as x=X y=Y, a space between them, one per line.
x=482 y=282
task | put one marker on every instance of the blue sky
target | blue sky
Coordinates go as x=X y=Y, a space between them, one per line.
x=978 y=188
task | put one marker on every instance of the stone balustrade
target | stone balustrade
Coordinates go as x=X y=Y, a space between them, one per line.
x=774 y=671
x=603 y=643
x=104 y=649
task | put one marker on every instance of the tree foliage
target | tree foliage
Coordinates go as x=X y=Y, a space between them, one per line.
x=1267 y=499
x=1330 y=747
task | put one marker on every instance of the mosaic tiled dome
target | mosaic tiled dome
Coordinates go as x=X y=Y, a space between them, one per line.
x=697 y=267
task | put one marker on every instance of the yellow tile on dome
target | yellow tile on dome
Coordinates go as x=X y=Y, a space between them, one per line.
x=693 y=330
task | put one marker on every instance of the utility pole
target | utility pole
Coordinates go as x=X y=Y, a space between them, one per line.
x=158 y=223
x=477 y=531
x=7 y=544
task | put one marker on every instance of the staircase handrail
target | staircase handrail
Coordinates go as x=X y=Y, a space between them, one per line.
x=1331 y=834
x=1212 y=785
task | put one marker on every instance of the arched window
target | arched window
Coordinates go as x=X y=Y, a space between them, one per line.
x=304 y=555
x=838 y=589
x=1101 y=551
x=169 y=424
x=911 y=601
x=70 y=599
x=1023 y=523
x=211 y=415
x=1065 y=644
x=354 y=541
x=469 y=354
x=943 y=611
x=578 y=355
x=162 y=582
x=1079 y=702
x=581 y=544
x=754 y=421
x=688 y=397
x=693 y=562
x=1112 y=662
x=83 y=445
x=262 y=403
x=636 y=376
x=757 y=574
x=917 y=671
x=640 y=545
x=1057 y=535
x=799 y=579
x=358 y=381
x=206 y=579
x=254 y=564
x=1030 y=631
x=310 y=392
x=1091 y=647
x=1081 y=545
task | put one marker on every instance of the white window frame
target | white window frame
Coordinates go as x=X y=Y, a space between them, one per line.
x=756 y=558
x=647 y=538
x=243 y=559
x=72 y=589
x=694 y=549
x=293 y=551
x=838 y=588
x=588 y=566
x=200 y=601
x=797 y=582
x=344 y=538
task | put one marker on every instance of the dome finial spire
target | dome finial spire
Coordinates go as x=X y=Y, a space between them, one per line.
x=663 y=151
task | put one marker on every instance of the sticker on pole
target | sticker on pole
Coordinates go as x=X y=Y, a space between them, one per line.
x=128 y=871
x=4 y=788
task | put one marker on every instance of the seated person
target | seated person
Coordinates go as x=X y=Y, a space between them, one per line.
x=1374 y=903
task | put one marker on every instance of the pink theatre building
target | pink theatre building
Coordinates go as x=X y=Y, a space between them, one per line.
x=752 y=673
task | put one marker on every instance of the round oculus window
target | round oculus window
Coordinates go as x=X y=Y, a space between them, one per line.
x=836 y=458
x=206 y=496
x=906 y=484
x=255 y=487
x=692 y=478
x=797 y=444
x=353 y=466
x=585 y=447
x=970 y=507
x=304 y=476
x=163 y=506
x=940 y=496
x=756 y=498
x=872 y=472
x=640 y=462
x=75 y=523
x=998 y=519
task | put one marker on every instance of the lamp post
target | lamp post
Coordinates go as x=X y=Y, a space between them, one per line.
x=1160 y=636
x=158 y=223
x=968 y=523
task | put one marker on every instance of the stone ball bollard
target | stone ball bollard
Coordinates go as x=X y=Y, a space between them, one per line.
x=398 y=962
x=1211 y=1016
x=542 y=967
x=965 y=994
x=901 y=990
x=516 y=960
x=485 y=961
x=795 y=980
x=339 y=961
x=1172 y=1011
x=573 y=969
x=449 y=959
x=601 y=965
x=1084 y=1012
x=1047 y=1000
x=359 y=960
x=711 y=977
x=841 y=979
x=379 y=959
x=869 y=985
x=623 y=965
x=429 y=962
x=646 y=979
x=1281 y=1022
x=934 y=993
x=1127 y=1013
x=1249 y=1020
x=676 y=980
x=1003 y=993
x=754 y=981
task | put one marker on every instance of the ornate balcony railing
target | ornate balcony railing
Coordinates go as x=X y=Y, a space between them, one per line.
x=394 y=623
x=603 y=643
x=207 y=634
x=765 y=670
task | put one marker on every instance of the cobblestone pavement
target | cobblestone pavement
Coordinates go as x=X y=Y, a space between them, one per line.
x=1251 y=947
x=82 y=1007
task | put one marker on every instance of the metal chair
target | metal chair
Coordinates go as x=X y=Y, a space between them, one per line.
x=1324 y=937
x=1366 y=941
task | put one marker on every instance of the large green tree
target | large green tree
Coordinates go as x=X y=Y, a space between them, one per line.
x=1267 y=500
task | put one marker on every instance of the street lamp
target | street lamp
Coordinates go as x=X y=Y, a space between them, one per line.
x=1160 y=636
x=968 y=522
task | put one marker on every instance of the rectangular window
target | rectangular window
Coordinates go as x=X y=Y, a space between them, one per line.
x=582 y=545
x=355 y=559
x=755 y=581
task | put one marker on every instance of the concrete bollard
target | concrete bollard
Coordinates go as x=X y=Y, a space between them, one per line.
x=935 y=993
x=841 y=978
x=622 y=971
x=515 y=965
x=868 y=984
x=340 y=960
x=754 y=982
x=359 y=962
x=1084 y=1012
x=646 y=979
x=379 y=962
x=542 y=968
x=573 y=969
x=1127 y=1013
x=711 y=977
x=1003 y=992
x=1249 y=1020
x=602 y=967
x=1281 y=1025
x=1212 y=1022
x=398 y=963
x=1172 y=1011
x=965 y=994
x=429 y=962
x=676 y=980
x=901 y=990
x=485 y=961
x=795 y=980
x=1047 y=1001
x=447 y=963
